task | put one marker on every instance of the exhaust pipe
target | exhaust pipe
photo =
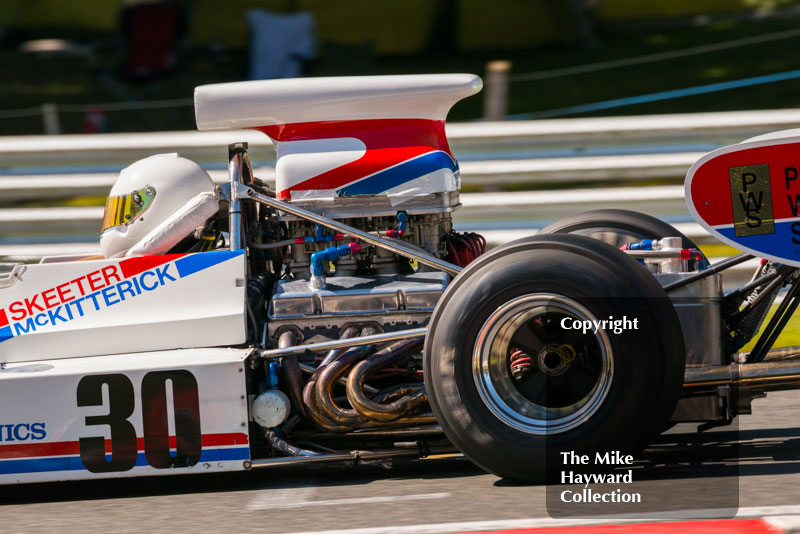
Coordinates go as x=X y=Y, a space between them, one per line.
x=412 y=399
x=322 y=410
x=290 y=369
x=758 y=377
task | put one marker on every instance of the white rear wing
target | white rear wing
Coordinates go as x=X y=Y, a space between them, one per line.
x=228 y=106
x=376 y=136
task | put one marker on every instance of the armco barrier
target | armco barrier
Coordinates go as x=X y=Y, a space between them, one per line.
x=491 y=154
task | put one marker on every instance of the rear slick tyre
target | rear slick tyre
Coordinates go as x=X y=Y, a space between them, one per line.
x=589 y=392
x=617 y=227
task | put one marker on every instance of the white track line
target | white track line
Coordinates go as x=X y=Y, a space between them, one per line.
x=465 y=526
x=277 y=499
x=783 y=515
x=784 y=522
x=268 y=501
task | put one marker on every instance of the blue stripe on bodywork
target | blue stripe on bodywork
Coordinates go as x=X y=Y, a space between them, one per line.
x=400 y=174
x=203 y=260
x=6 y=333
x=74 y=463
x=780 y=244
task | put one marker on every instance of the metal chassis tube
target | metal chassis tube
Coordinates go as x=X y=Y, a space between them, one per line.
x=354 y=457
x=712 y=269
x=754 y=374
x=345 y=343
x=240 y=191
x=776 y=325
x=758 y=377
x=236 y=153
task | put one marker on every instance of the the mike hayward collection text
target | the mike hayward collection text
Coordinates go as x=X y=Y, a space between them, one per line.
x=591 y=495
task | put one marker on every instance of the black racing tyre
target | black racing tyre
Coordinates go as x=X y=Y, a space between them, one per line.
x=584 y=391
x=617 y=227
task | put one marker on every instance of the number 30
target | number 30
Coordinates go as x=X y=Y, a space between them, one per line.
x=124 y=443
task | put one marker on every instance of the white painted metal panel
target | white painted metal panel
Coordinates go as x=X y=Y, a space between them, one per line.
x=89 y=308
x=156 y=413
x=265 y=102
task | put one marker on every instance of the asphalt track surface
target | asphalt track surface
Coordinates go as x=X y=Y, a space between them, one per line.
x=709 y=468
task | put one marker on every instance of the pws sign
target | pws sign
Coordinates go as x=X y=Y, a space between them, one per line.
x=748 y=195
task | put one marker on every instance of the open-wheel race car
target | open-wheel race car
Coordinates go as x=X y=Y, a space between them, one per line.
x=338 y=317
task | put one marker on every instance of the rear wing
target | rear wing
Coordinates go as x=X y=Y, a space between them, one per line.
x=347 y=136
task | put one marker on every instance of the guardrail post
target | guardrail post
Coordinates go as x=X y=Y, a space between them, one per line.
x=495 y=103
x=52 y=125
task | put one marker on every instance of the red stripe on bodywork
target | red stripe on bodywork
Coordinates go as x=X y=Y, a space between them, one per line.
x=133 y=266
x=711 y=190
x=68 y=448
x=721 y=526
x=388 y=142
x=30 y=450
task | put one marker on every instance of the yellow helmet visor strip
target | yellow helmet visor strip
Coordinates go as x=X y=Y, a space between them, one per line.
x=124 y=209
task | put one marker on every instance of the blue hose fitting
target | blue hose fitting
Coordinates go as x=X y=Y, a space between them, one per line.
x=319 y=259
x=273 y=370
x=402 y=226
x=644 y=244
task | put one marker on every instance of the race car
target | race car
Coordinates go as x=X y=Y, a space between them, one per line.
x=338 y=317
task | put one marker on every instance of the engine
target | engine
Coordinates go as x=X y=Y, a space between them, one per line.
x=361 y=283
x=318 y=285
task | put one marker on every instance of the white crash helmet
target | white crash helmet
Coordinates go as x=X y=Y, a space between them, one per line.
x=146 y=193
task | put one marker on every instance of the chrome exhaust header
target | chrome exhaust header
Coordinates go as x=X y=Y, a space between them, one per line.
x=757 y=377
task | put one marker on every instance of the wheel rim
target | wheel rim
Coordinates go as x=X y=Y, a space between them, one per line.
x=613 y=236
x=570 y=373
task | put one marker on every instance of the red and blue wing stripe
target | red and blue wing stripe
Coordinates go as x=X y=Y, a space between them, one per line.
x=392 y=157
x=400 y=174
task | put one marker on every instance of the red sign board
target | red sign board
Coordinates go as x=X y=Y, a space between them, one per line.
x=748 y=195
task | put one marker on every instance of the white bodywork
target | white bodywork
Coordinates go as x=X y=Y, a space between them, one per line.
x=55 y=415
x=780 y=134
x=228 y=106
x=89 y=308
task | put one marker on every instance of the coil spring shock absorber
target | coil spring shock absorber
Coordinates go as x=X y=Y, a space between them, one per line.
x=520 y=363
